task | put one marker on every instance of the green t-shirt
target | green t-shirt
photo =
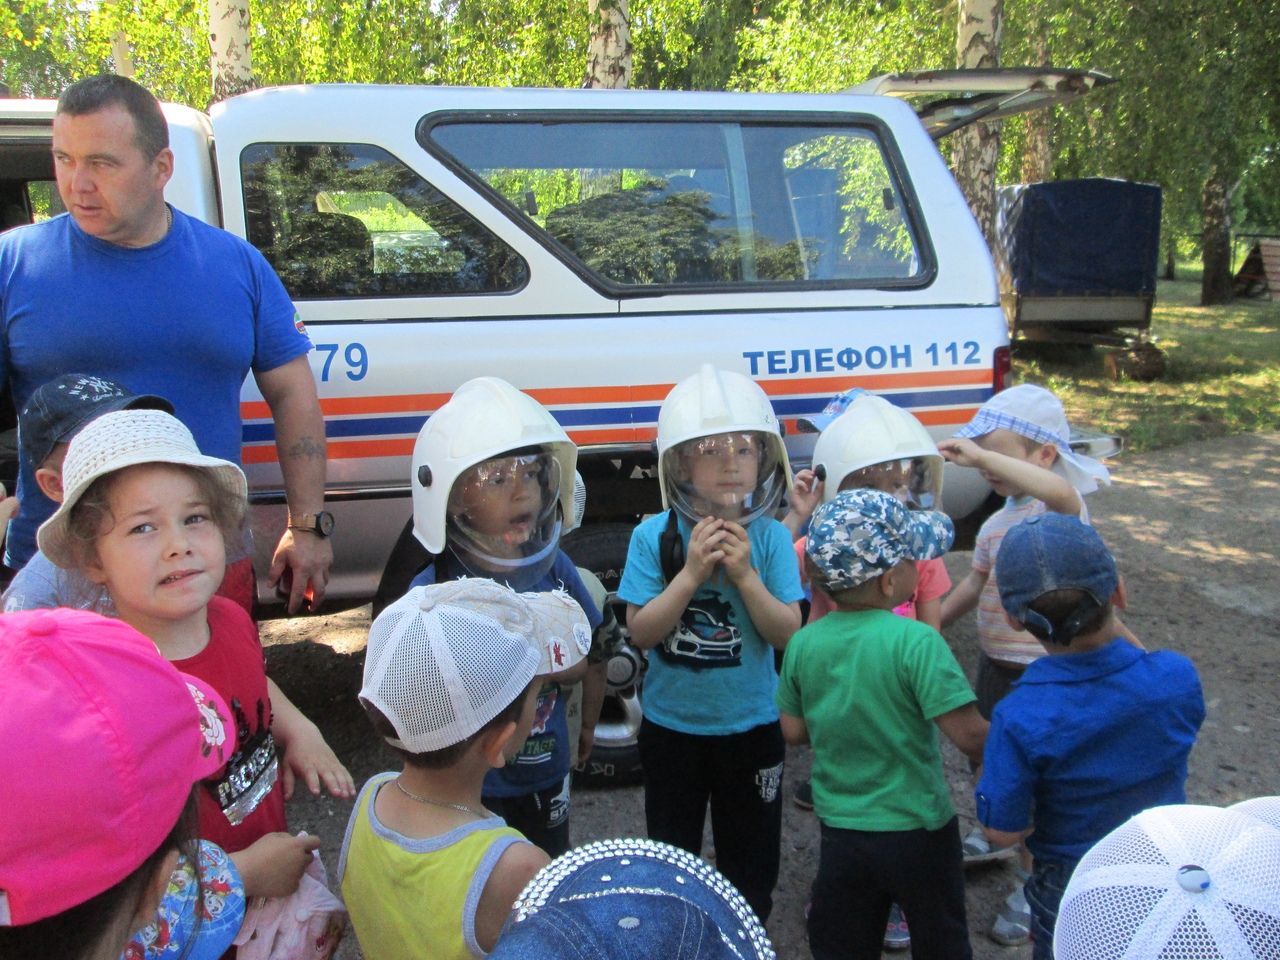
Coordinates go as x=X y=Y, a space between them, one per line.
x=868 y=686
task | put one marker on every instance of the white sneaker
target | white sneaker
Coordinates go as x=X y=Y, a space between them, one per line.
x=1012 y=925
x=977 y=849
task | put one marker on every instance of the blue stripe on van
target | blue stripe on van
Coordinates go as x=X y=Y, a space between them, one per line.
x=264 y=431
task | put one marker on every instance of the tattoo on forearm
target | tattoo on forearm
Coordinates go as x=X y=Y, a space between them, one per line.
x=306 y=448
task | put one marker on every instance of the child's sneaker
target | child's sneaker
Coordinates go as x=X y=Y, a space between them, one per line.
x=1012 y=926
x=896 y=934
x=803 y=797
x=977 y=849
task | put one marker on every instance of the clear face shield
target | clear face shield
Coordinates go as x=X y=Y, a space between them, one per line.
x=915 y=481
x=733 y=476
x=503 y=518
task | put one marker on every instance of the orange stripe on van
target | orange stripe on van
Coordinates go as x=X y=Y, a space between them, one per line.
x=641 y=393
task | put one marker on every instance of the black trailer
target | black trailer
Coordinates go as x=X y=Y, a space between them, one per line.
x=1077 y=259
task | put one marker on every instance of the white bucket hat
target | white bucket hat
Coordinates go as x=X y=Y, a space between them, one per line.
x=125 y=438
x=445 y=659
x=1034 y=412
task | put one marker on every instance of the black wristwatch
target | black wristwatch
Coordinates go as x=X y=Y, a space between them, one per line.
x=321 y=524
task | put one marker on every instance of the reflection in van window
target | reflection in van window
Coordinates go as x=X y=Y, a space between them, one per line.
x=657 y=203
x=350 y=220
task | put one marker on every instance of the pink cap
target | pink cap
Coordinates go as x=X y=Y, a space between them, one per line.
x=101 y=740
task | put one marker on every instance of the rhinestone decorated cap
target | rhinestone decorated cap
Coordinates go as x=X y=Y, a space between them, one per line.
x=631 y=898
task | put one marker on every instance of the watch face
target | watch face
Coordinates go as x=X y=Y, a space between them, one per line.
x=324 y=523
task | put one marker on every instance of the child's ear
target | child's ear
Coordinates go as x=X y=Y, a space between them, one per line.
x=93 y=570
x=50 y=483
x=1120 y=599
x=1047 y=456
x=1014 y=624
x=495 y=743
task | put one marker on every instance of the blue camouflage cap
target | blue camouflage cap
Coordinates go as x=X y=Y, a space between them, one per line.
x=863 y=533
x=817 y=422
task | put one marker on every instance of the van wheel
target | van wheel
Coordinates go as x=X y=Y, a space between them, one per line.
x=615 y=758
x=408 y=558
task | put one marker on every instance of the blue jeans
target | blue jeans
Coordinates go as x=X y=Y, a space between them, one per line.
x=1044 y=894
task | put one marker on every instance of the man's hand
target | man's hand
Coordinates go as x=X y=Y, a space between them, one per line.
x=307 y=558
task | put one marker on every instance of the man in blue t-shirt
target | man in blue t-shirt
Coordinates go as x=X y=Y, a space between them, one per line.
x=125 y=287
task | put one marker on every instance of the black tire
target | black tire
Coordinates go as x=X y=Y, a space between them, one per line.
x=615 y=758
x=408 y=557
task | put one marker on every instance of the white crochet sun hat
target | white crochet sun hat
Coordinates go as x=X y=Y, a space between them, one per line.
x=125 y=438
x=445 y=659
x=1175 y=883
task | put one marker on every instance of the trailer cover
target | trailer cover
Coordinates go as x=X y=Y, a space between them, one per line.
x=1092 y=237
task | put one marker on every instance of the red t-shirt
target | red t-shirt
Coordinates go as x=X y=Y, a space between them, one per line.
x=233 y=664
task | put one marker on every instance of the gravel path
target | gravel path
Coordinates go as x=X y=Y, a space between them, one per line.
x=1196 y=531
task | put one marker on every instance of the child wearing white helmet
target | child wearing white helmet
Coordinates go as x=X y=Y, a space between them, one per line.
x=492 y=478
x=711 y=587
x=867 y=442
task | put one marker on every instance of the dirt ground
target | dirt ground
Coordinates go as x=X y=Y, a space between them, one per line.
x=1196 y=531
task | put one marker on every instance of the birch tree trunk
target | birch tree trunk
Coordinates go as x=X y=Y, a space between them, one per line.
x=609 y=50
x=1037 y=156
x=230 y=60
x=1215 y=282
x=975 y=148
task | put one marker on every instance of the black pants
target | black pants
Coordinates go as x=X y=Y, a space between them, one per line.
x=860 y=874
x=542 y=817
x=740 y=774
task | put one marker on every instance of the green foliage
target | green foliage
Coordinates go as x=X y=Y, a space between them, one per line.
x=1223 y=374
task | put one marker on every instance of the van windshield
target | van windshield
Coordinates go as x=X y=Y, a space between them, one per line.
x=722 y=201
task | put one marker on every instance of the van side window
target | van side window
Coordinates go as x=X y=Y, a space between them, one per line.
x=350 y=220
x=715 y=202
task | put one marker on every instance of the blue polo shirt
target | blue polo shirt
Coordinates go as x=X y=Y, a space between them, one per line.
x=1086 y=740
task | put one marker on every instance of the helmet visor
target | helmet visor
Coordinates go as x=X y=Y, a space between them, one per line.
x=503 y=517
x=915 y=481
x=733 y=476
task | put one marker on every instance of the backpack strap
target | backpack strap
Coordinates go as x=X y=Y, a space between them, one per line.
x=671 y=548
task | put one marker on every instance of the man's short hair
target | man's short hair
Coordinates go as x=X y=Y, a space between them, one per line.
x=151 y=131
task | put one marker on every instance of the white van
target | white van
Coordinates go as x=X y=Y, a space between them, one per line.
x=590 y=247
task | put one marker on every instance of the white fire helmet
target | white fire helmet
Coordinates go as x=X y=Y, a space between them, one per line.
x=876 y=444
x=491 y=483
x=724 y=420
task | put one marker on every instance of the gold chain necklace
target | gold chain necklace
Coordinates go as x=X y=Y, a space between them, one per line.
x=461 y=807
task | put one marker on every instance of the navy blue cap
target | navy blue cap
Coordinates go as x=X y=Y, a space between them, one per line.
x=57 y=410
x=1049 y=552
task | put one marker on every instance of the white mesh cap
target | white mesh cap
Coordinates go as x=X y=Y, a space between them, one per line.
x=445 y=659
x=1175 y=883
x=1266 y=809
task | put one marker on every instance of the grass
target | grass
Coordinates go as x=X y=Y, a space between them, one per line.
x=1222 y=376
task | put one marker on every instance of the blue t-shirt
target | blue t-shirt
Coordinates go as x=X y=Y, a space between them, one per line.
x=714 y=675
x=543 y=761
x=186 y=318
x=1084 y=741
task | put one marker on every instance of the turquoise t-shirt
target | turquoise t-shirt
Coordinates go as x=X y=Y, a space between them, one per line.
x=714 y=675
x=868 y=685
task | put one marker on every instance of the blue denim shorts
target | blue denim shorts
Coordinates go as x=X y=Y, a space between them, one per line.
x=1044 y=891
